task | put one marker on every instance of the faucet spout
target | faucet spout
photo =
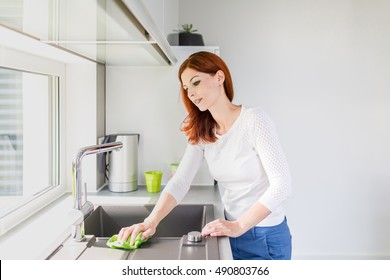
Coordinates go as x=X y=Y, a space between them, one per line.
x=85 y=208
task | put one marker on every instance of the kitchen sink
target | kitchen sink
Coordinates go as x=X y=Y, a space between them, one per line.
x=168 y=243
x=106 y=221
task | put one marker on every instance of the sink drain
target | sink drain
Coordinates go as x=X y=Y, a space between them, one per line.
x=194 y=236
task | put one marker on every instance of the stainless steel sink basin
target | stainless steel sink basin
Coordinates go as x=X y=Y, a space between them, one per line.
x=169 y=242
x=106 y=221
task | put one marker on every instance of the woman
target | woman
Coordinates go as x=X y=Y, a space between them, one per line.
x=243 y=153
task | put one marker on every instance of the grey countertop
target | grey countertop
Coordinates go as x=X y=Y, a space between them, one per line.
x=54 y=223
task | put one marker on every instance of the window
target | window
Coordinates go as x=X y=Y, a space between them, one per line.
x=35 y=109
x=32 y=78
x=29 y=136
x=32 y=108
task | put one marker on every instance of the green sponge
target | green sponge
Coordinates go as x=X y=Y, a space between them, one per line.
x=115 y=244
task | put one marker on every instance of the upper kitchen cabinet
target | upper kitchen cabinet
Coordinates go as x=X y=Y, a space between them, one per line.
x=113 y=32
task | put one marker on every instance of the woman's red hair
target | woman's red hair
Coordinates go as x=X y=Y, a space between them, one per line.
x=199 y=126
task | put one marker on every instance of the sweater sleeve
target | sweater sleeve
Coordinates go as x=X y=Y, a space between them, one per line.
x=190 y=163
x=266 y=143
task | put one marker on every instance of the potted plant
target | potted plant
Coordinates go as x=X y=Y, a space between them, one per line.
x=188 y=37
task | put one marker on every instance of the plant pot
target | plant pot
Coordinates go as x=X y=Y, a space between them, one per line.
x=190 y=39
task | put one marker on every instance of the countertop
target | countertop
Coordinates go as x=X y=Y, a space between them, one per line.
x=44 y=232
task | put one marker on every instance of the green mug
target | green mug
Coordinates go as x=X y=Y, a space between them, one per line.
x=173 y=168
x=153 y=180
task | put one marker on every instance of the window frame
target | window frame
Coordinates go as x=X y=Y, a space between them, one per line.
x=18 y=60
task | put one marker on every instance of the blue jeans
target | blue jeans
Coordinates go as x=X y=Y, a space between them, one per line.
x=263 y=243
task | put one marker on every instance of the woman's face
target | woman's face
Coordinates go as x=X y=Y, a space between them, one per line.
x=202 y=89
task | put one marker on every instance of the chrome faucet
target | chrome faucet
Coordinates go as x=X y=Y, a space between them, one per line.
x=85 y=209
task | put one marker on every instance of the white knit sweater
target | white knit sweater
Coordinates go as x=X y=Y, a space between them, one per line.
x=248 y=163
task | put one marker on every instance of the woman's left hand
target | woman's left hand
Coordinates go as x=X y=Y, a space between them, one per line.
x=222 y=227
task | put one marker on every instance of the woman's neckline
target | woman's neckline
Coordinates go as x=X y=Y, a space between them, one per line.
x=233 y=125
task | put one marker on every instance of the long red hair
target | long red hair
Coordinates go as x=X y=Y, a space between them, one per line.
x=199 y=126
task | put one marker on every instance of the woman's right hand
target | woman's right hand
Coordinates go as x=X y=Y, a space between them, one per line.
x=164 y=205
x=148 y=227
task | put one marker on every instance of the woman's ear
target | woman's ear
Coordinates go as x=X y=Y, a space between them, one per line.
x=220 y=77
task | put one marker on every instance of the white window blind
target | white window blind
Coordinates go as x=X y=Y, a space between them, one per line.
x=11 y=133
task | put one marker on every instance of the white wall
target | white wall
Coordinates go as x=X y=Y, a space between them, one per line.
x=85 y=91
x=81 y=120
x=138 y=101
x=321 y=70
